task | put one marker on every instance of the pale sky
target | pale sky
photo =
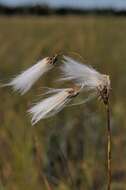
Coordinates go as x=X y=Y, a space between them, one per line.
x=118 y=4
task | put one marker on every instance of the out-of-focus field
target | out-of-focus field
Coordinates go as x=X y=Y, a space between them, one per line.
x=29 y=156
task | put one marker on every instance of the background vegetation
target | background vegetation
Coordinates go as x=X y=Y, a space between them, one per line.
x=32 y=157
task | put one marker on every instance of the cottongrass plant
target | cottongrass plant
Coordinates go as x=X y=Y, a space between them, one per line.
x=84 y=79
x=90 y=79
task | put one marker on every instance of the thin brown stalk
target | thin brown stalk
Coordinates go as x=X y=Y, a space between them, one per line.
x=66 y=165
x=48 y=186
x=39 y=164
x=108 y=147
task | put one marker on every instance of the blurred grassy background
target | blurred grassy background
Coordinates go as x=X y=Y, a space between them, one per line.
x=31 y=156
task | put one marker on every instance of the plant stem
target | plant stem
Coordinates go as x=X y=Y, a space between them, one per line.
x=108 y=147
x=39 y=164
x=65 y=162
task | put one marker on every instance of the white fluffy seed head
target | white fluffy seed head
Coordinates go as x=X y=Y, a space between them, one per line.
x=24 y=81
x=80 y=73
x=84 y=78
x=52 y=105
x=87 y=77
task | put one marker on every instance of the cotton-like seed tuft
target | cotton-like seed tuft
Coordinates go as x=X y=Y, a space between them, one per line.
x=51 y=105
x=24 y=81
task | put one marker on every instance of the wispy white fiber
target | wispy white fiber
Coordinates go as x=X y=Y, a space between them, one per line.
x=24 y=81
x=83 y=77
x=52 y=90
x=89 y=98
x=80 y=73
x=50 y=106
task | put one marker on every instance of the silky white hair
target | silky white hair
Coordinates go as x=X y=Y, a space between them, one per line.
x=24 y=81
x=51 y=105
x=81 y=74
x=87 y=77
x=84 y=78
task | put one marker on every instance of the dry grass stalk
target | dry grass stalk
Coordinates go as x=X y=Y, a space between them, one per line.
x=38 y=156
x=66 y=165
x=104 y=94
x=109 y=147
